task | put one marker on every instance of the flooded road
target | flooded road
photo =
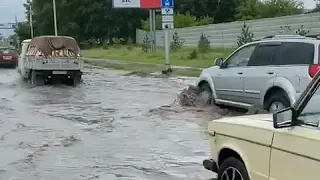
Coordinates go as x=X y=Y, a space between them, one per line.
x=108 y=128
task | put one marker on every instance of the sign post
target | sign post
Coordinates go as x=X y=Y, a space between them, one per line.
x=167 y=13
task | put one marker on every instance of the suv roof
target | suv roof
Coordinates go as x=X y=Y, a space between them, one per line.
x=286 y=38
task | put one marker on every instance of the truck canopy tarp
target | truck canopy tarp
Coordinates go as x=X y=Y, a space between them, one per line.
x=47 y=44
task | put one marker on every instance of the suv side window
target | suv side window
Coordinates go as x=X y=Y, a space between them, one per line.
x=264 y=54
x=295 y=53
x=241 y=57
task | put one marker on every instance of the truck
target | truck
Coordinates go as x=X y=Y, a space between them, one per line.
x=45 y=59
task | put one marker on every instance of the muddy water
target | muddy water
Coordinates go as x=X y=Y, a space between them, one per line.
x=107 y=128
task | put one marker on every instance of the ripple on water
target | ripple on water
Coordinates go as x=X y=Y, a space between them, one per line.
x=115 y=138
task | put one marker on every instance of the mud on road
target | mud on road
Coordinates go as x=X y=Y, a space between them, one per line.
x=110 y=127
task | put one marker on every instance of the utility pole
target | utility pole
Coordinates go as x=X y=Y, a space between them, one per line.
x=30 y=19
x=55 y=18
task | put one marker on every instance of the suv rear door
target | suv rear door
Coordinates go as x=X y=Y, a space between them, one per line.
x=259 y=72
x=292 y=64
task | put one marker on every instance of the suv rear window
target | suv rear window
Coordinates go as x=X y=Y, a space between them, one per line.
x=295 y=53
x=263 y=55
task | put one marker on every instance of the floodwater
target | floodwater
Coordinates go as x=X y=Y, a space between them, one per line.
x=110 y=127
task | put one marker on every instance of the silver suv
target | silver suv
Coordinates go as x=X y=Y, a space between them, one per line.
x=270 y=73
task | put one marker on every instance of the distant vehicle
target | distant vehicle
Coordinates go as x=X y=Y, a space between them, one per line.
x=280 y=146
x=8 y=56
x=48 y=58
x=270 y=73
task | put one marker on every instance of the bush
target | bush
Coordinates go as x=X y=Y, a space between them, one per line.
x=285 y=29
x=105 y=45
x=180 y=21
x=302 y=32
x=146 y=43
x=246 y=35
x=203 y=44
x=177 y=42
x=193 y=54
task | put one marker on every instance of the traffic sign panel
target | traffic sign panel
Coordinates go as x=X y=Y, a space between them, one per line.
x=167 y=11
x=167 y=19
x=167 y=3
x=168 y=25
x=8 y=25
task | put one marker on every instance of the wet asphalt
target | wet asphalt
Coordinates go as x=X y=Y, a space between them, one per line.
x=108 y=128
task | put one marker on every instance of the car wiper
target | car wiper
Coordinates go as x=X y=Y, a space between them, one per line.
x=300 y=122
x=310 y=114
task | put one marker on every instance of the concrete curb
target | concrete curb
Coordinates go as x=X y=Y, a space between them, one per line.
x=142 y=63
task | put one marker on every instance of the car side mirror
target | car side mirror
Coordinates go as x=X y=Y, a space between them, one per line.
x=218 y=62
x=284 y=118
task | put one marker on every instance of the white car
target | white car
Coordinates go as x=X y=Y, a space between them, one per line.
x=270 y=73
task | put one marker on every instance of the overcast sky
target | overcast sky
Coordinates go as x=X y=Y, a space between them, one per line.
x=11 y=8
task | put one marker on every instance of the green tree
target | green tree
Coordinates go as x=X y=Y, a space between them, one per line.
x=226 y=11
x=248 y=10
x=91 y=21
x=274 y=8
x=246 y=35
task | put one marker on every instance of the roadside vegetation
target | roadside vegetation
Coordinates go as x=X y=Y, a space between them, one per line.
x=107 y=33
x=201 y=56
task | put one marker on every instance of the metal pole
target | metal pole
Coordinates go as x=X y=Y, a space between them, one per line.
x=154 y=30
x=30 y=19
x=151 y=29
x=55 y=18
x=167 y=48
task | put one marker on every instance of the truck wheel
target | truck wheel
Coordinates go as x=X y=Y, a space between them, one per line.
x=277 y=101
x=36 y=80
x=76 y=79
x=206 y=93
x=232 y=168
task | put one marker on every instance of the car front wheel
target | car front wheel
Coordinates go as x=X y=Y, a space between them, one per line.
x=277 y=101
x=206 y=93
x=232 y=169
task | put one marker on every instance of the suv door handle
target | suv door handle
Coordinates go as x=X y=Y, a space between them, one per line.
x=240 y=73
x=270 y=72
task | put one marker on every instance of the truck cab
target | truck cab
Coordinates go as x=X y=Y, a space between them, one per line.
x=24 y=48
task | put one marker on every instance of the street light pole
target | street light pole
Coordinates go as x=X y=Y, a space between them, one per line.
x=30 y=19
x=55 y=18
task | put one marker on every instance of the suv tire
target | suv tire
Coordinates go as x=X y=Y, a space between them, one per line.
x=205 y=90
x=279 y=98
x=228 y=166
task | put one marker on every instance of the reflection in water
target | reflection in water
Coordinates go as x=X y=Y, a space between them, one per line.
x=99 y=130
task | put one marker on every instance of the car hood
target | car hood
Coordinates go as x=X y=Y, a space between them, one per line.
x=253 y=128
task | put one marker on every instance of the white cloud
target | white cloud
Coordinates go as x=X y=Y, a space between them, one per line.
x=8 y=10
x=309 y=4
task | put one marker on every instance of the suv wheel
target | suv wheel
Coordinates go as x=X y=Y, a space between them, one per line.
x=232 y=168
x=277 y=101
x=206 y=93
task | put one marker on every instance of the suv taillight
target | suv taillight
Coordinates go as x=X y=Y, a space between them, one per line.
x=314 y=68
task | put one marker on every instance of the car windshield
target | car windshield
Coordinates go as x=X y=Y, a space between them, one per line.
x=7 y=51
x=310 y=114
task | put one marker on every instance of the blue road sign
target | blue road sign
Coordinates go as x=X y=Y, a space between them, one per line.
x=8 y=25
x=167 y=3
